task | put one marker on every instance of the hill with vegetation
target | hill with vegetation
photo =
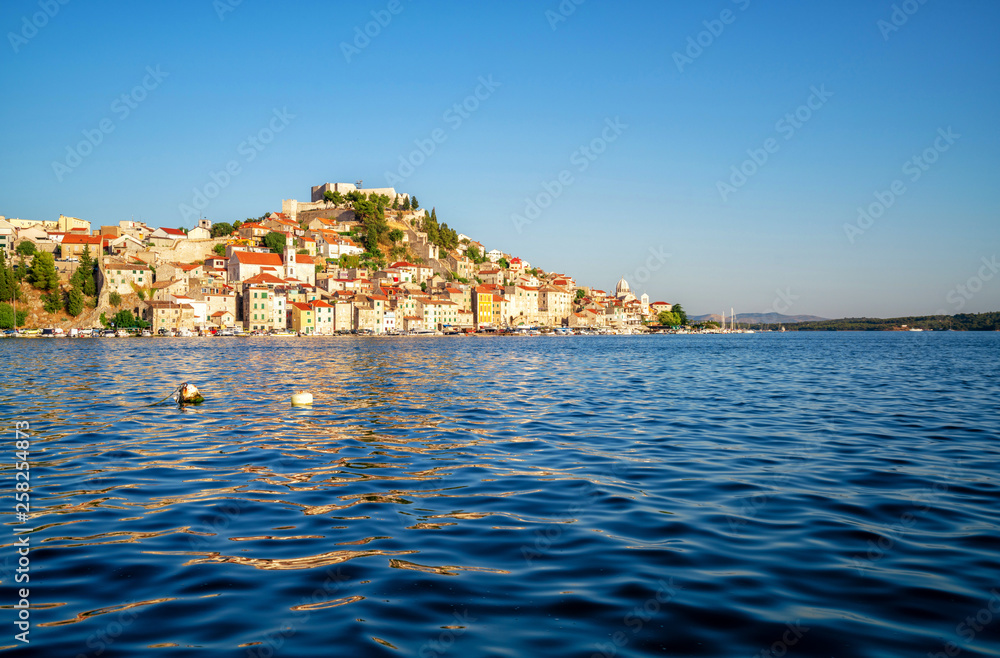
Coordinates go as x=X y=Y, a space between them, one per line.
x=961 y=322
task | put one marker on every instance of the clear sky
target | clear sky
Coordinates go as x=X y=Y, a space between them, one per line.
x=116 y=110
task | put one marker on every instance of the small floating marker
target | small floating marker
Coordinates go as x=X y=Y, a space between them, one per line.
x=302 y=398
x=188 y=394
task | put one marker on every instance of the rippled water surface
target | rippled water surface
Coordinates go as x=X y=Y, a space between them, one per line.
x=799 y=494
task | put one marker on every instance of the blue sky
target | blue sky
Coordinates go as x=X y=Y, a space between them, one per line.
x=654 y=199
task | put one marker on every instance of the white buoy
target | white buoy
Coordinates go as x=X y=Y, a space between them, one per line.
x=302 y=398
x=188 y=394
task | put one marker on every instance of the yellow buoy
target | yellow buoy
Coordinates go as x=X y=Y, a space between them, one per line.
x=301 y=398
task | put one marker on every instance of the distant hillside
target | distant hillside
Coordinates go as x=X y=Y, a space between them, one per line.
x=960 y=322
x=759 y=318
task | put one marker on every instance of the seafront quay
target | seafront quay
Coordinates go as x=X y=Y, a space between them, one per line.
x=350 y=261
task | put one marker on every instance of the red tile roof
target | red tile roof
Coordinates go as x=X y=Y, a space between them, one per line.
x=172 y=231
x=81 y=239
x=253 y=258
x=264 y=277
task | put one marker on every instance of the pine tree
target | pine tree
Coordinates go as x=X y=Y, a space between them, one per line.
x=43 y=273
x=52 y=301
x=6 y=279
x=74 y=302
x=86 y=271
x=413 y=203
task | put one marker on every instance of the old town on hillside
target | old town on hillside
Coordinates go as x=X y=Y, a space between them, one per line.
x=349 y=260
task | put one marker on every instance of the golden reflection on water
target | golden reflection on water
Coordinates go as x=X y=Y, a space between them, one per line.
x=328 y=604
x=274 y=564
x=447 y=570
x=83 y=616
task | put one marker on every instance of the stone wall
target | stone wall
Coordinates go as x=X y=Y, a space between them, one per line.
x=185 y=251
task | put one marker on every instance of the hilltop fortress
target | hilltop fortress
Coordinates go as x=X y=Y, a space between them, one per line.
x=291 y=208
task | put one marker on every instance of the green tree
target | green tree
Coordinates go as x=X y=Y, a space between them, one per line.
x=43 y=273
x=406 y=203
x=475 y=255
x=124 y=319
x=21 y=271
x=237 y=224
x=8 y=281
x=275 y=242
x=328 y=196
x=668 y=319
x=52 y=301
x=26 y=248
x=681 y=315
x=371 y=241
x=115 y=299
x=503 y=263
x=220 y=249
x=74 y=301
x=6 y=316
x=413 y=203
x=395 y=235
x=580 y=293
x=88 y=284
x=104 y=319
x=349 y=261
x=222 y=229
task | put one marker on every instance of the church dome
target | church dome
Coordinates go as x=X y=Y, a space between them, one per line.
x=622 y=287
